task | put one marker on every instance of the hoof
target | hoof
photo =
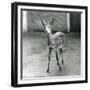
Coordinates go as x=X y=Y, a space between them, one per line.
x=47 y=71
x=60 y=69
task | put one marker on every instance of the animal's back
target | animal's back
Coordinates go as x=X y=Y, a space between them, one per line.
x=56 y=40
x=59 y=34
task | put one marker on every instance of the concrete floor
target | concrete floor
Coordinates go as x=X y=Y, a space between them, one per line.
x=35 y=56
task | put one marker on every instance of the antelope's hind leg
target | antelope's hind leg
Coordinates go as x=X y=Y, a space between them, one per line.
x=57 y=58
x=49 y=58
x=61 y=54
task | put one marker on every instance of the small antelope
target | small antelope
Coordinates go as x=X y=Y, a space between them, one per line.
x=55 y=42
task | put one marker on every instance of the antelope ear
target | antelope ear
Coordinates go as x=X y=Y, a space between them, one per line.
x=51 y=25
x=52 y=21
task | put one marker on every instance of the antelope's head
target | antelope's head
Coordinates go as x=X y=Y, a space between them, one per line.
x=47 y=25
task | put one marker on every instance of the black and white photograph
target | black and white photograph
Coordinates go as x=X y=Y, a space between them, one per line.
x=50 y=44
x=49 y=47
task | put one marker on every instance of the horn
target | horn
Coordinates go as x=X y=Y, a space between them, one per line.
x=43 y=22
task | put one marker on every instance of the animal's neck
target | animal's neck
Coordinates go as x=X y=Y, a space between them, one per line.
x=48 y=38
x=49 y=35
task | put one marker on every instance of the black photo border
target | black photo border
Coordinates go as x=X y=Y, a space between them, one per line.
x=14 y=43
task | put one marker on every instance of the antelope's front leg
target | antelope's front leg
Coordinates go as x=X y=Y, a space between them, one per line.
x=57 y=58
x=49 y=58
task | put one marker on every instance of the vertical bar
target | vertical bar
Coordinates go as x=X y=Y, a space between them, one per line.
x=68 y=22
x=24 y=21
